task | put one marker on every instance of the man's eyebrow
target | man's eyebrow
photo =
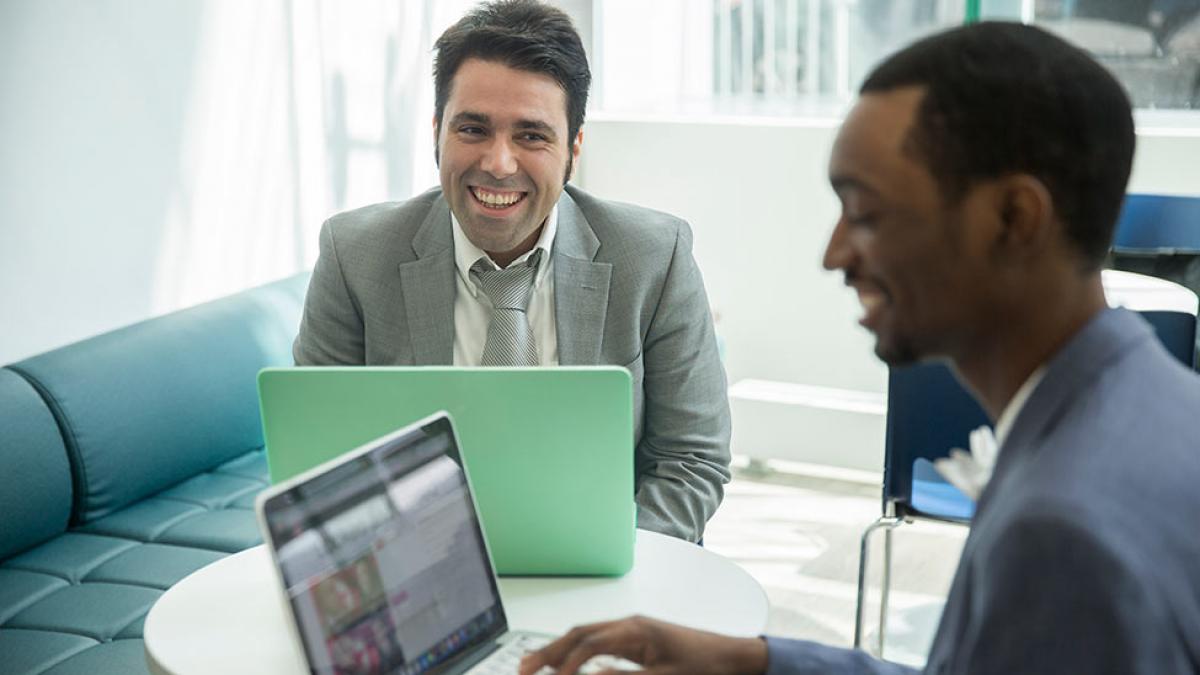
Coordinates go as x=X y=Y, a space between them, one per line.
x=467 y=116
x=535 y=125
x=842 y=183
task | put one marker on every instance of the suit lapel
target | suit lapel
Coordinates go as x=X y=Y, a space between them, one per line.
x=580 y=287
x=1105 y=338
x=1074 y=368
x=428 y=286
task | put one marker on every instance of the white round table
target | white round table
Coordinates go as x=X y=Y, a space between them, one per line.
x=230 y=617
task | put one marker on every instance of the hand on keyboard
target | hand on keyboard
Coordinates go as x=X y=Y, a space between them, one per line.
x=658 y=646
x=507 y=659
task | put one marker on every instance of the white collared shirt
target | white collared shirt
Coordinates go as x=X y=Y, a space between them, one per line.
x=1009 y=416
x=473 y=309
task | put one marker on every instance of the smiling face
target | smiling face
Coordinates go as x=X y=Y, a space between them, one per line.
x=920 y=265
x=503 y=154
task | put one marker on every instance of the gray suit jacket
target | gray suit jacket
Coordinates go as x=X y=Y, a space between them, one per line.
x=1084 y=553
x=627 y=292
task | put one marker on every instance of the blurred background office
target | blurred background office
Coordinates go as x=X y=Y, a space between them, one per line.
x=161 y=154
x=154 y=155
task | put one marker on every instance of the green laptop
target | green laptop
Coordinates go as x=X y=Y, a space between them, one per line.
x=549 y=451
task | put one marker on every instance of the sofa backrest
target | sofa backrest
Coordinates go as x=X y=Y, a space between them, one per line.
x=35 y=477
x=149 y=405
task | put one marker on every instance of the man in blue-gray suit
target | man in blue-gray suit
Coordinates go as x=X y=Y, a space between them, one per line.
x=980 y=174
x=506 y=265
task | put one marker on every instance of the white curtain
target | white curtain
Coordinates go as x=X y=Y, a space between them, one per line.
x=298 y=109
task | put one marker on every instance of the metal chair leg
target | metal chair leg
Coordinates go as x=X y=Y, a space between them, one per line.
x=886 y=588
x=889 y=523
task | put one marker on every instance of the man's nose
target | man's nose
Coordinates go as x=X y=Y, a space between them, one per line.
x=838 y=253
x=499 y=160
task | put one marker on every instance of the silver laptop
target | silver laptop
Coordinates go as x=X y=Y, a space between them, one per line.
x=383 y=563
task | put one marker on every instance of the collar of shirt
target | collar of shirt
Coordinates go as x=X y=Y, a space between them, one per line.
x=466 y=253
x=1009 y=416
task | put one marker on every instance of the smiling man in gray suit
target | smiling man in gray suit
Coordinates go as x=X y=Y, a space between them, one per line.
x=502 y=266
x=981 y=174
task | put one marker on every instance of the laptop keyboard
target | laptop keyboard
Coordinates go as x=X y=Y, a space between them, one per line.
x=505 y=660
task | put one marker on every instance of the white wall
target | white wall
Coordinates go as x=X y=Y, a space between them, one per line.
x=157 y=154
x=137 y=175
x=757 y=198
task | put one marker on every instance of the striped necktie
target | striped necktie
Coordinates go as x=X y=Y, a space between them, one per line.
x=509 y=337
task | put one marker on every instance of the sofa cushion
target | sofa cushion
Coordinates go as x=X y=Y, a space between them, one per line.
x=78 y=603
x=224 y=530
x=152 y=404
x=30 y=652
x=133 y=631
x=95 y=610
x=35 y=478
x=144 y=521
x=20 y=589
x=118 y=656
x=70 y=556
x=157 y=565
x=212 y=490
x=211 y=511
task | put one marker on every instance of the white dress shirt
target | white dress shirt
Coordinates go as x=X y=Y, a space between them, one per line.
x=970 y=470
x=1008 y=417
x=473 y=309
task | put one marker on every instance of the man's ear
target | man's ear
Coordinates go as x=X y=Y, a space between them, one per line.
x=576 y=148
x=1025 y=211
x=437 y=151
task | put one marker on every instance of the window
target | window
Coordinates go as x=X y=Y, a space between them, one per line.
x=1153 y=46
x=806 y=57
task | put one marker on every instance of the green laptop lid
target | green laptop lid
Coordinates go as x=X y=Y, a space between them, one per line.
x=549 y=451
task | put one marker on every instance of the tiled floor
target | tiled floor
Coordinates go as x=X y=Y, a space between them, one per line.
x=799 y=537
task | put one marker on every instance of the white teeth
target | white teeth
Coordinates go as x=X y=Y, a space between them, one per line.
x=870 y=301
x=497 y=199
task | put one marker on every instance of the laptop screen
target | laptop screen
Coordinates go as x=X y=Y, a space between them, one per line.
x=383 y=559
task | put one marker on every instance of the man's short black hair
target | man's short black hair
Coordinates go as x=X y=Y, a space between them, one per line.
x=1004 y=98
x=521 y=34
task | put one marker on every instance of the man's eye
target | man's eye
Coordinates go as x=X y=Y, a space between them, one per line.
x=471 y=131
x=533 y=138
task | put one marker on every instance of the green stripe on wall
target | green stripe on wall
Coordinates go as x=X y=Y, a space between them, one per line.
x=972 y=13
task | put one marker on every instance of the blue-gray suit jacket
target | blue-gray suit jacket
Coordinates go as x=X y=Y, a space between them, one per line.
x=627 y=292
x=1084 y=554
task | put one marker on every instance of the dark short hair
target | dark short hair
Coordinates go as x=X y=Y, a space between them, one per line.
x=521 y=34
x=1002 y=98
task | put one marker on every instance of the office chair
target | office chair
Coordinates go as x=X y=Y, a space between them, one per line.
x=1159 y=236
x=1177 y=331
x=928 y=414
x=1158 y=224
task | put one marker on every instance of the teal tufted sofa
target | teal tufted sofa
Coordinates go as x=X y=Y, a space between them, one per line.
x=128 y=461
